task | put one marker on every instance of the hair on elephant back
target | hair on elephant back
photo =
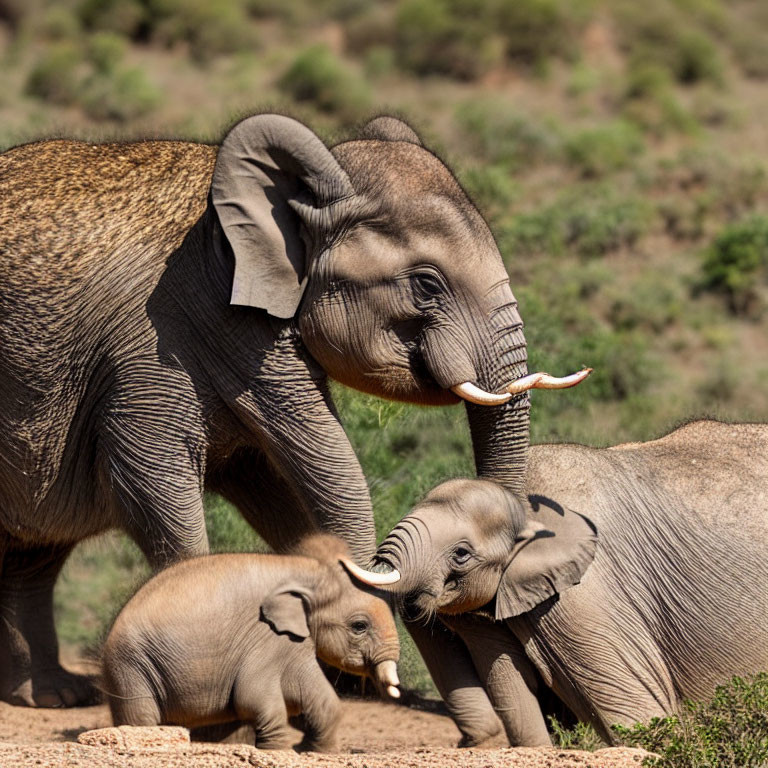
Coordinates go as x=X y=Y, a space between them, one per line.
x=189 y=303
x=234 y=639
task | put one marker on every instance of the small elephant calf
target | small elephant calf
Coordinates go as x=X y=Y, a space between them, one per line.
x=235 y=639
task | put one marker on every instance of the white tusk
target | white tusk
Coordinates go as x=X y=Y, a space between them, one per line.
x=474 y=394
x=368 y=577
x=387 y=672
x=552 y=382
x=527 y=382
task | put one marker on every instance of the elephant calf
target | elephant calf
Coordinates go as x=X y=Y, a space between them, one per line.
x=234 y=639
x=632 y=578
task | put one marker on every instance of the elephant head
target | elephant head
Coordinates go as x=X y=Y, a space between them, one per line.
x=470 y=542
x=390 y=273
x=353 y=628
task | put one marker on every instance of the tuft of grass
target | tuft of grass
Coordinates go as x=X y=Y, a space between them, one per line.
x=729 y=731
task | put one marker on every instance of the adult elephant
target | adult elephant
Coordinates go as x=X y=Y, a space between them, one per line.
x=634 y=577
x=169 y=314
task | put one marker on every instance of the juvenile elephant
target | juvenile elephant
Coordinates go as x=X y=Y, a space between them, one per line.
x=234 y=638
x=669 y=540
x=169 y=315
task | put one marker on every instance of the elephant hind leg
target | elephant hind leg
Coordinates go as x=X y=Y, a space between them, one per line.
x=132 y=700
x=30 y=672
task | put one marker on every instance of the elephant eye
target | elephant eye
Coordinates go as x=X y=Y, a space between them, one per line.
x=360 y=626
x=426 y=285
x=461 y=555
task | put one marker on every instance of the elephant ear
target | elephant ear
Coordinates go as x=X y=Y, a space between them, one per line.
x=272 y=174
x=389 y=129
x=551 y=554
x=286 y=612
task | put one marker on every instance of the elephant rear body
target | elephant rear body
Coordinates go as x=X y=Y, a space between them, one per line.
x=675 y=601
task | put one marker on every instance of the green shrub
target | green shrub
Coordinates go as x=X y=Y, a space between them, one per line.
x=735 y=261
x=60 y=23
x=123 y=17
x=581 y=736
x=649 y=100
x=492 y=189
x=604 y=149
x=447 y=37
x=208 y=27
x=319 y=77
x=730 y=731
x=121 y=95
x=501 y=134
x=586 y=222
x=664 y=33
x=534 y=30
x=55 y=76
x=106 y=50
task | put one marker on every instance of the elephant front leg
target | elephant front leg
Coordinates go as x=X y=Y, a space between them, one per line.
x=454 y=674
x=307 y=477
x=321 y=711
x=507 y=676
x=30 y=672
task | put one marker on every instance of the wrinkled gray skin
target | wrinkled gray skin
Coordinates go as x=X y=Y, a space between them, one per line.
x=130 y=381
x=234 y=638
x=674 y=585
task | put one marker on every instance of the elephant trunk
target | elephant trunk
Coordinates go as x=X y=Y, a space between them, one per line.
x=500 y=433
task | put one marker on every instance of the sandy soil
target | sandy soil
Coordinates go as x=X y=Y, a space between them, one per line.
x=374 y=735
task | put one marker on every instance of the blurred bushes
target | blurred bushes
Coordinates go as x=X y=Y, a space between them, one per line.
x=736 y=264
x=588 y=221
x=94 y=78
x=317 y=76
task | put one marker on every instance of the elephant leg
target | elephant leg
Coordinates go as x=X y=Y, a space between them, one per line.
x=321 y=712
x=508 y=676
x=265 y=710
x=30 y=673
x=306 y=446
x=452 y=669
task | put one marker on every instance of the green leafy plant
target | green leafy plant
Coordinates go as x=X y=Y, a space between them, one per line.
x=729 y=731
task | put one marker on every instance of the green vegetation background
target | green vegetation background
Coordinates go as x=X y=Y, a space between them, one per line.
x=618 y=150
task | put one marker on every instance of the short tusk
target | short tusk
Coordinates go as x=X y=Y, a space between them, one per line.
x=368 y=577
x=474 y=394
x=552 y=382
x=386 y=673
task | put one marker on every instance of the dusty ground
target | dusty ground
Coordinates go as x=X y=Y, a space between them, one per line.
x=373 y=735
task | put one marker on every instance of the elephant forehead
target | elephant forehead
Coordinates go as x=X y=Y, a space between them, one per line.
x=373 y=253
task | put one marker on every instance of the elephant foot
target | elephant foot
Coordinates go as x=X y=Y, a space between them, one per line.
x=477 y=737
x=54 y=688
